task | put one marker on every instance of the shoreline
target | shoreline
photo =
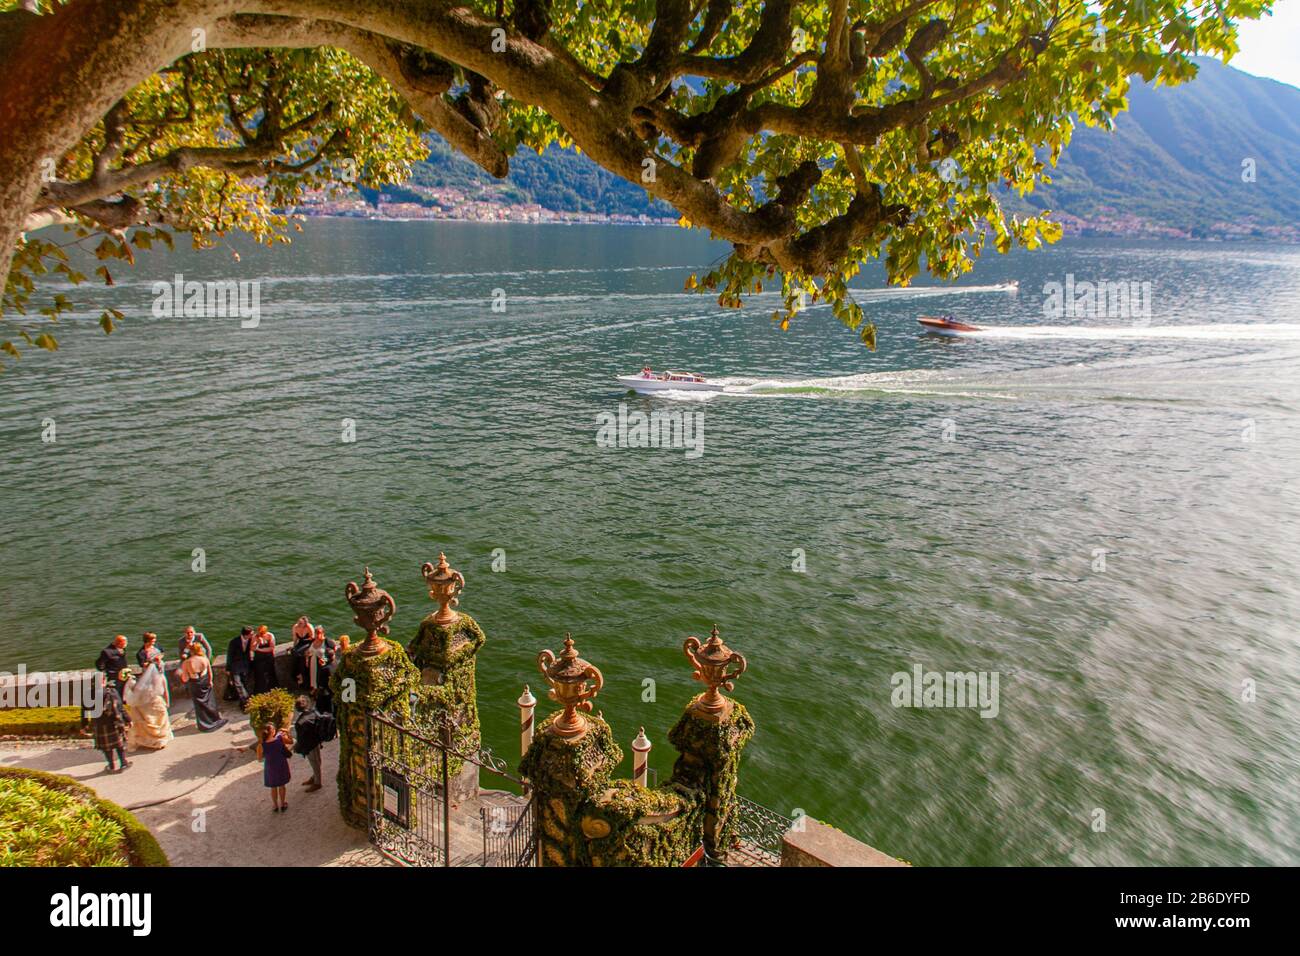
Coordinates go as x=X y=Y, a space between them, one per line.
x=1156 y=234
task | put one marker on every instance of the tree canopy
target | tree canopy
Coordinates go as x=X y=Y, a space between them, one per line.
x=812 y=136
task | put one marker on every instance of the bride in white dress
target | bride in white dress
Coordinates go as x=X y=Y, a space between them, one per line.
x=147 y=700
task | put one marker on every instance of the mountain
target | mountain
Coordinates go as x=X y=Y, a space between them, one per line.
x=1176 y=158
x=562 y=180
x=1173 y=166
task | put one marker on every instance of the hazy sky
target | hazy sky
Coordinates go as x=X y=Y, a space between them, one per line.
x=1271 y=46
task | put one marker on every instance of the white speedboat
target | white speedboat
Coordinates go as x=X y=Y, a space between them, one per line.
x=647 y=381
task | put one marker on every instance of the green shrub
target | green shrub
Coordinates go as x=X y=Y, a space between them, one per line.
x=40 y=722
x=50 y=820
x=275 y=706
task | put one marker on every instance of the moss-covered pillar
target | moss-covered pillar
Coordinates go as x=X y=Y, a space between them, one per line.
x=375 y=675
x=444 y=651
x=571 y=759
x=710 y=737
x=568 y=774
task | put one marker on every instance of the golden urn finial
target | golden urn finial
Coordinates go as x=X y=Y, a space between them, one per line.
x=445 y=584
x=373 y=608
x=568 y=674
x=711 y=660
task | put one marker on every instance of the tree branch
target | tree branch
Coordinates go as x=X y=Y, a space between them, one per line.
x=420 y=78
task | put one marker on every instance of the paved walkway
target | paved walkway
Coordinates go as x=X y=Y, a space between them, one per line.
x=205 y=802
x=203 y=798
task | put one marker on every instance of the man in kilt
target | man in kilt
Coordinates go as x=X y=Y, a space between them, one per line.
x=110 y=724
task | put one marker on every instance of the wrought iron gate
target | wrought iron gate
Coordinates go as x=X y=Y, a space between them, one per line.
x=406 y=789
x=406 y=798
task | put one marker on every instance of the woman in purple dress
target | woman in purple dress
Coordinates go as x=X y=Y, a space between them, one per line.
x=274 y=749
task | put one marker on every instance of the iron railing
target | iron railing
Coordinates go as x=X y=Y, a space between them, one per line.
x=758 y=833
x=406 y=796
x=509 y=835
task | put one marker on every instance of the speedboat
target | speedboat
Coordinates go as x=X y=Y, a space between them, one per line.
x=944 y=325
x=647 y=381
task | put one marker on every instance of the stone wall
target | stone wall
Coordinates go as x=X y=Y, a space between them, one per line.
x=65 y=680
x=811 y=843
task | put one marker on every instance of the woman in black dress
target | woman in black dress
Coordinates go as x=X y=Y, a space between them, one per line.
x=264 y=661
x=196 y=671
x=302 y=638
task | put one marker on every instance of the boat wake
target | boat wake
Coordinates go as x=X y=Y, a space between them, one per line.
x=904 y=382
x=681 y=395
x=1140 y=377
x=1224 y=332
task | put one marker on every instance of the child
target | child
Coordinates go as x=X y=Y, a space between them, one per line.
x=273 y=750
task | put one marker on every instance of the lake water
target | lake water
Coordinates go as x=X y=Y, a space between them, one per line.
x=1101 y=511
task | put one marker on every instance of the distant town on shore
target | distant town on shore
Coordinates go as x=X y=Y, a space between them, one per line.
x=1215 y=159
x=458 y=205
x=450 y=203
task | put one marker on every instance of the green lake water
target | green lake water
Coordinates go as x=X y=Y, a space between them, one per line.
x=953 y=503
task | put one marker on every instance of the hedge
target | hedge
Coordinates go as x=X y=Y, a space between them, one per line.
x=141 y=849
x=40 y=722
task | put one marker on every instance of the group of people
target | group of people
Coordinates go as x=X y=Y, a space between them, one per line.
x=250 y=662
x=311 y=729
x=135 y=713
x=136 y=702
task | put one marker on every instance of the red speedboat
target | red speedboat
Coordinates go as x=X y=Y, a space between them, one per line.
x=943 y=325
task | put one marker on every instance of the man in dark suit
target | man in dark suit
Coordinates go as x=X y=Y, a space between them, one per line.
x=239 y=665
x=112 y=661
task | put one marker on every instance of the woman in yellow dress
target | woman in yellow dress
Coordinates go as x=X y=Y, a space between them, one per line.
x=147 y=700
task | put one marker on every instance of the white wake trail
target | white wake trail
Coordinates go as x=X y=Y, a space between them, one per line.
x=1225 y=332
